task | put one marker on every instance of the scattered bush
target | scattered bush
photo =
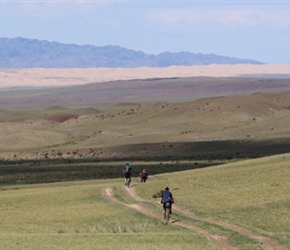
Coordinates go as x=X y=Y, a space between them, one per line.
x=158 y=194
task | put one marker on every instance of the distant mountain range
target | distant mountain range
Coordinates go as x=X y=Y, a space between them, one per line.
x=30 y=53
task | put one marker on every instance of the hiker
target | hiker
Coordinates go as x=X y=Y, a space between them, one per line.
x=127 y=171
x=143 y=175
x=167 y=200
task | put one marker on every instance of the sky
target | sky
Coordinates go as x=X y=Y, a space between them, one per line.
x=245 y=29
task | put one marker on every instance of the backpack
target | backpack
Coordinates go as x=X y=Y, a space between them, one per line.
x=127 y=168
x=167 y=196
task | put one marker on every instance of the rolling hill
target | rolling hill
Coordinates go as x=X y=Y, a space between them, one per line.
x=231 y=126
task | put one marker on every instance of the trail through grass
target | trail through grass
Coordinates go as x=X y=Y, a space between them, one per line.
x=252 y=194
x=75 y=216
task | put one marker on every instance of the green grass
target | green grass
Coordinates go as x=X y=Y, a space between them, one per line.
x=252 y=194
x=144 y=241
x=73 y=215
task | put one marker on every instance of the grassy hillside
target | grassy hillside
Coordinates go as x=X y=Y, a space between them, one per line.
x=238 y=202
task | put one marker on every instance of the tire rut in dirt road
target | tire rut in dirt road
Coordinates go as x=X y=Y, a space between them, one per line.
x=220 y=242
x=267 y=243
x=109 y=196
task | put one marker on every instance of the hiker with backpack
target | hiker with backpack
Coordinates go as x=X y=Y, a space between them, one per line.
x=127 y=171
x=167 y=200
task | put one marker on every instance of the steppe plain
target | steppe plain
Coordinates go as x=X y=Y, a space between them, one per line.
x=63 y=148
x=119 y=113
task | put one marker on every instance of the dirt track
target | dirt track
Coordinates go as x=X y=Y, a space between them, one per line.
x=221 y=242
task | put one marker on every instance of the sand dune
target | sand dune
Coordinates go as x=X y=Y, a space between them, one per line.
x=40 y=77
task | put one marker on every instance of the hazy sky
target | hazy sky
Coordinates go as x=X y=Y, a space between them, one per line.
x=244 y=29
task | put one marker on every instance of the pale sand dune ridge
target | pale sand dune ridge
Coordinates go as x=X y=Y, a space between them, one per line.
x=41 y=77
